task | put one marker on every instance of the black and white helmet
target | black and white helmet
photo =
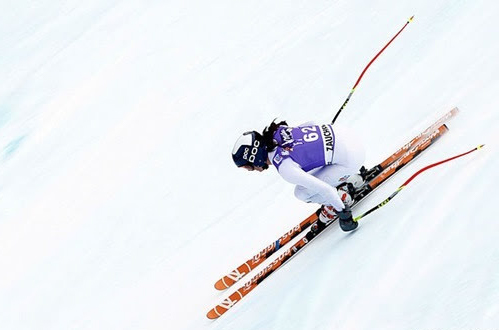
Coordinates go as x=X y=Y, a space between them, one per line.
x=250 y=150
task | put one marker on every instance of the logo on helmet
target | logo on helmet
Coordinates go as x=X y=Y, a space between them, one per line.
x=251 y=157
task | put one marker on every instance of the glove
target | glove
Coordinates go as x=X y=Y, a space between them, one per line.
x=346 y=219
x=345 y=214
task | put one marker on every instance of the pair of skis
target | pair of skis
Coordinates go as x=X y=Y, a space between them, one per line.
x=374 y=177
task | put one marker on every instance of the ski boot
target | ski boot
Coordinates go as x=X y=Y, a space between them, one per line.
x=350 y=185
x=325 y=215
x=345 y=216
x=329 y=214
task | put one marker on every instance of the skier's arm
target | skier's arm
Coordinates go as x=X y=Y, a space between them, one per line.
x=293 y=173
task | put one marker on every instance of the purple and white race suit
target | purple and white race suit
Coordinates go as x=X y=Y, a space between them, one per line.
x=308 y=146
x=317 y=159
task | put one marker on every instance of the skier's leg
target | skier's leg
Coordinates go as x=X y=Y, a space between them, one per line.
x=348 y=158
x=333 y=175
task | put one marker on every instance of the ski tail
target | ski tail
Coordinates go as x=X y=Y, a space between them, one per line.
x=397 y=154
x=399 y=189
x=409 y=155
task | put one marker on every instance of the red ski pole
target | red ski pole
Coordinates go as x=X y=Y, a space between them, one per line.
x=410 y=179
x=365 y=69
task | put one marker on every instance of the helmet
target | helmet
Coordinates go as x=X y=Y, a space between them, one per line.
x=250 y=150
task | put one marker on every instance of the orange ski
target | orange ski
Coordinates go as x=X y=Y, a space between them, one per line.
x=250 y=264
x=238 y=273
x=396 y=155
x=409 y=155
x=236 y=296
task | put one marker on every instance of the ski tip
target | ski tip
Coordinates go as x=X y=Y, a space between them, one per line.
x=212 y=314
x=454 y=110
x=410 y=19
x=220 y=285
x=480 y=146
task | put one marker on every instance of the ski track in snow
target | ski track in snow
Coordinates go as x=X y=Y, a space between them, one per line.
x=119 y=203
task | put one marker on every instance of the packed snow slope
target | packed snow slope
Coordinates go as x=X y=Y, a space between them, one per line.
x=119 y=203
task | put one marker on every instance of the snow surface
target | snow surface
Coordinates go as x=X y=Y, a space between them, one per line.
x=119 y=203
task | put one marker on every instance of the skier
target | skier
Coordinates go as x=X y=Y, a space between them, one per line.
x=315 y=158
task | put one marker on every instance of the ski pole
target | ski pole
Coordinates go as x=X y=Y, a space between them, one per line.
x=383 y=203
x=365 y=69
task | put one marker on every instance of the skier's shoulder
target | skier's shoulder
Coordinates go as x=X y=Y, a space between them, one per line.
x=282 y=157
x=314 y=126
x=308 y=123
x=278 y=155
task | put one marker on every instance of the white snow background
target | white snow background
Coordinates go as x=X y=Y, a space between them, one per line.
x=119 y=202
